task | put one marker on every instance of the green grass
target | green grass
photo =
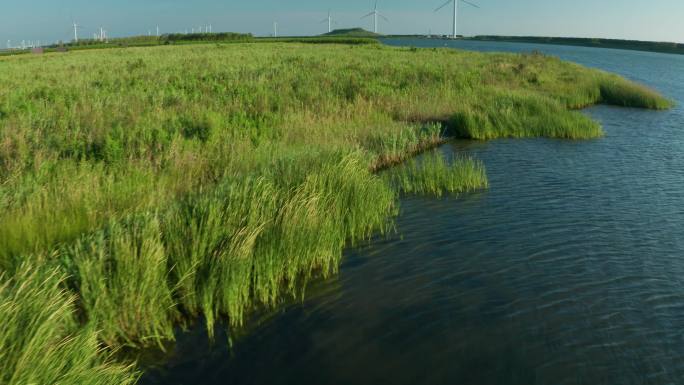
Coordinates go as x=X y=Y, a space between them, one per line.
x=518 y=114
x=163 y=183
x=617 y=92
x=42 y=341
x=432 y=174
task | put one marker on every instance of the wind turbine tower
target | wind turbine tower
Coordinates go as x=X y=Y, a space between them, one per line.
x=76 y=26
x=157 y=31
x=375 y=15
x=275 y=29
x=329 y=20
x=454 y=31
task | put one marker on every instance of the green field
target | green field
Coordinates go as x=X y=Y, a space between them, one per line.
x=143 y=187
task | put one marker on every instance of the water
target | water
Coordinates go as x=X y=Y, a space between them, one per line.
x=569 y=270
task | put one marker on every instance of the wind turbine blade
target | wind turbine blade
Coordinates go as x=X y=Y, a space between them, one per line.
x=370 y=14
x=444 y=5
x=471 y=4
x=386 y=19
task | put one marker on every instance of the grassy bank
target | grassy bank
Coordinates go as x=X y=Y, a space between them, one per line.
x=142 y=187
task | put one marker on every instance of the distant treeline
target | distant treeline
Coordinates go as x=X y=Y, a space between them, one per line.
x=222 y=36
x=635 y=45
x=320 y=40
x=137 y=41
x=190 y=38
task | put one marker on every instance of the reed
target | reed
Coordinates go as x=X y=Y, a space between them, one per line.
x=433 y=174
x=120 y=273
x=510 y=114
x=41 y=340
x=616 y=91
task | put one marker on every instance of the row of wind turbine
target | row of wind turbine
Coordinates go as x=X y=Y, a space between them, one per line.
x=375 y=13
x=454 y=31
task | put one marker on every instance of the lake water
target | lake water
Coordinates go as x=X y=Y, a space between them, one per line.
x=568 y=270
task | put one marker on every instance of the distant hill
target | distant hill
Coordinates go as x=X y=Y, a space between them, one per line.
x=352 y=32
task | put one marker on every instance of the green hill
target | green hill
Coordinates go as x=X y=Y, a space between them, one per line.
x=352 y=32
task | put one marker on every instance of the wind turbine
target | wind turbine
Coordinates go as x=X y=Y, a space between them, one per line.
x=454 y=34
x=275 y=29
x=375 y=15
x=76 y=27
x=329 y=20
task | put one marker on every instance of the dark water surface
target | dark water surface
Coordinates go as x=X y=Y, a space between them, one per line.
x=569 y=270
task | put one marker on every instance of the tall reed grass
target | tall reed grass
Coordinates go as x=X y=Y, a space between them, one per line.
x=41 y=339
x=433 y=174
x=516 y=114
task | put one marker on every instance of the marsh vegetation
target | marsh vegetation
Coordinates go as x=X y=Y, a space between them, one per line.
x=143 y=187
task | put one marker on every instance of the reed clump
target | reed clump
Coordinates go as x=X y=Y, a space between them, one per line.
x=511 y=114
x=435 y=175
x=42 y=341
x=614 y=90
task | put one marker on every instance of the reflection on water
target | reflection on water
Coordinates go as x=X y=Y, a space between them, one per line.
x=569 y=270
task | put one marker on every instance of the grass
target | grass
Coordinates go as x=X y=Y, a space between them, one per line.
x=518 y=114
x=434 y=175
x=142 y=187
x=42 y=341
x=617 y=92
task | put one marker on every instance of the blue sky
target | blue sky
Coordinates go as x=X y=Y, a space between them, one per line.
x=49 y=20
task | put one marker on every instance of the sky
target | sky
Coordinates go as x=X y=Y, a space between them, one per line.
x=50 y=20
